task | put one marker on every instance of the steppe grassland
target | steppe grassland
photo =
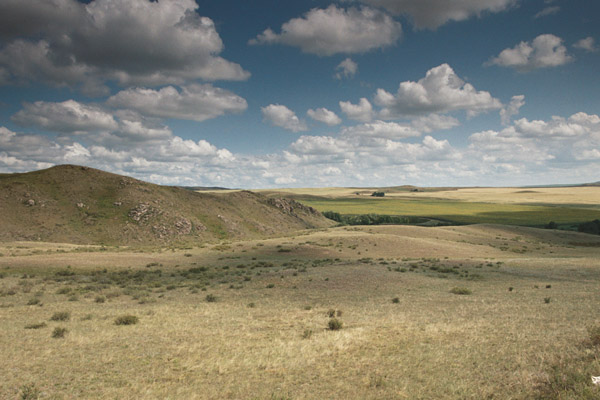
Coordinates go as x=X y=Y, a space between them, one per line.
x=589 y=195
x=513 y=206
x=404 y=334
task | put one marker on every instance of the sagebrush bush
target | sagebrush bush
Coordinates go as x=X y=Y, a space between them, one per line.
x=126 y=320
x=334 y=324
x=210 y=298
x=396 y=300
x=61 y=316
x=460 y=291
x=59 y=332
x=36 y=326
x=100 y=299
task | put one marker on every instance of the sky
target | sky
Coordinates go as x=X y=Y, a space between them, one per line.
x=304 y=93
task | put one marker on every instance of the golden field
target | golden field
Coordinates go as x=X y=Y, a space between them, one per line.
x=523 y=331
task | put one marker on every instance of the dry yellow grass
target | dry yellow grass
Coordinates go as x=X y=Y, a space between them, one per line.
x=556 y=195
x=431 y=344
x=584 y=195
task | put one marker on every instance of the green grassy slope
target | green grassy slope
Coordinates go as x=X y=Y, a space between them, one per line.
x=457 y=211
x=83 y=205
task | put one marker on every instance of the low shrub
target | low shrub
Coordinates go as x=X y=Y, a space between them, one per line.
x=334 y=324
x=61 y=316
x=59 y=332
x=126 y=320
x=36 y=326
x=460 y=291
x=210 y=298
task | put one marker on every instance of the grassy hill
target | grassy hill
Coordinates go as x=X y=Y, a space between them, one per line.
x=83 y=205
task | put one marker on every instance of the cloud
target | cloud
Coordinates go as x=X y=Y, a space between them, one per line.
x=333 y=30
x=381 y=129
x=370 y=154
x=547 y=11
x=283 y=117
x=69 y=43
x=192 y=102
x=588 y=44
x=545 y=51
x=440 y=91
x=431 y=14
x=67 y=116
x=363 y=111
x=516 y=102
x=325 y=116
x=346 y=69
x=434 y=122
x=561 y=140
x=98 y=125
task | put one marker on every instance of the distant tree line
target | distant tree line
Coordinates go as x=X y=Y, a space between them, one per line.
x=378 y=194
x=592 y=227
x=371 y=219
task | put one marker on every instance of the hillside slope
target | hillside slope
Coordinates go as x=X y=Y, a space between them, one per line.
x=76 y=204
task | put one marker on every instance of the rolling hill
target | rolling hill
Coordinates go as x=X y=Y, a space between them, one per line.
x=75 y=204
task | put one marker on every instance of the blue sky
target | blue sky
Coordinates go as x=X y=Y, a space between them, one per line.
x=305 y=93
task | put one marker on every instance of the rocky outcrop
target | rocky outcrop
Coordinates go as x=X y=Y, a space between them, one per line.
x=292 y=207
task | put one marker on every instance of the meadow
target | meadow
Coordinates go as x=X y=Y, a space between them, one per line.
x=524 y=207
x=469 y=312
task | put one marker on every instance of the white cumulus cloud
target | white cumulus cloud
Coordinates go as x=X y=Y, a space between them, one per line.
x=381 y=129
x=67 y=116
x=363 y=111
x=66 y=42
x=440 y=91
x=193 y=102
x=544 y=51
x=325 y=116
x=336 y=30
x=283 y=117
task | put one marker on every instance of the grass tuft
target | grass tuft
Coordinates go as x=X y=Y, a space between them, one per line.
x=126 y=320
x=59 y=332
x=334 y=324
x=61 y=316
x=461 y=291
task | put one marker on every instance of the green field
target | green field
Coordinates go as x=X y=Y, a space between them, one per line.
x=461 y=212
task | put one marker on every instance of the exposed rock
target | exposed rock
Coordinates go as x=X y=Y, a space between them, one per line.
x=183 y=226
x=291 y=207
x=80 y=205
x=30 y=202
x=117 y=204
x=142 y=212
